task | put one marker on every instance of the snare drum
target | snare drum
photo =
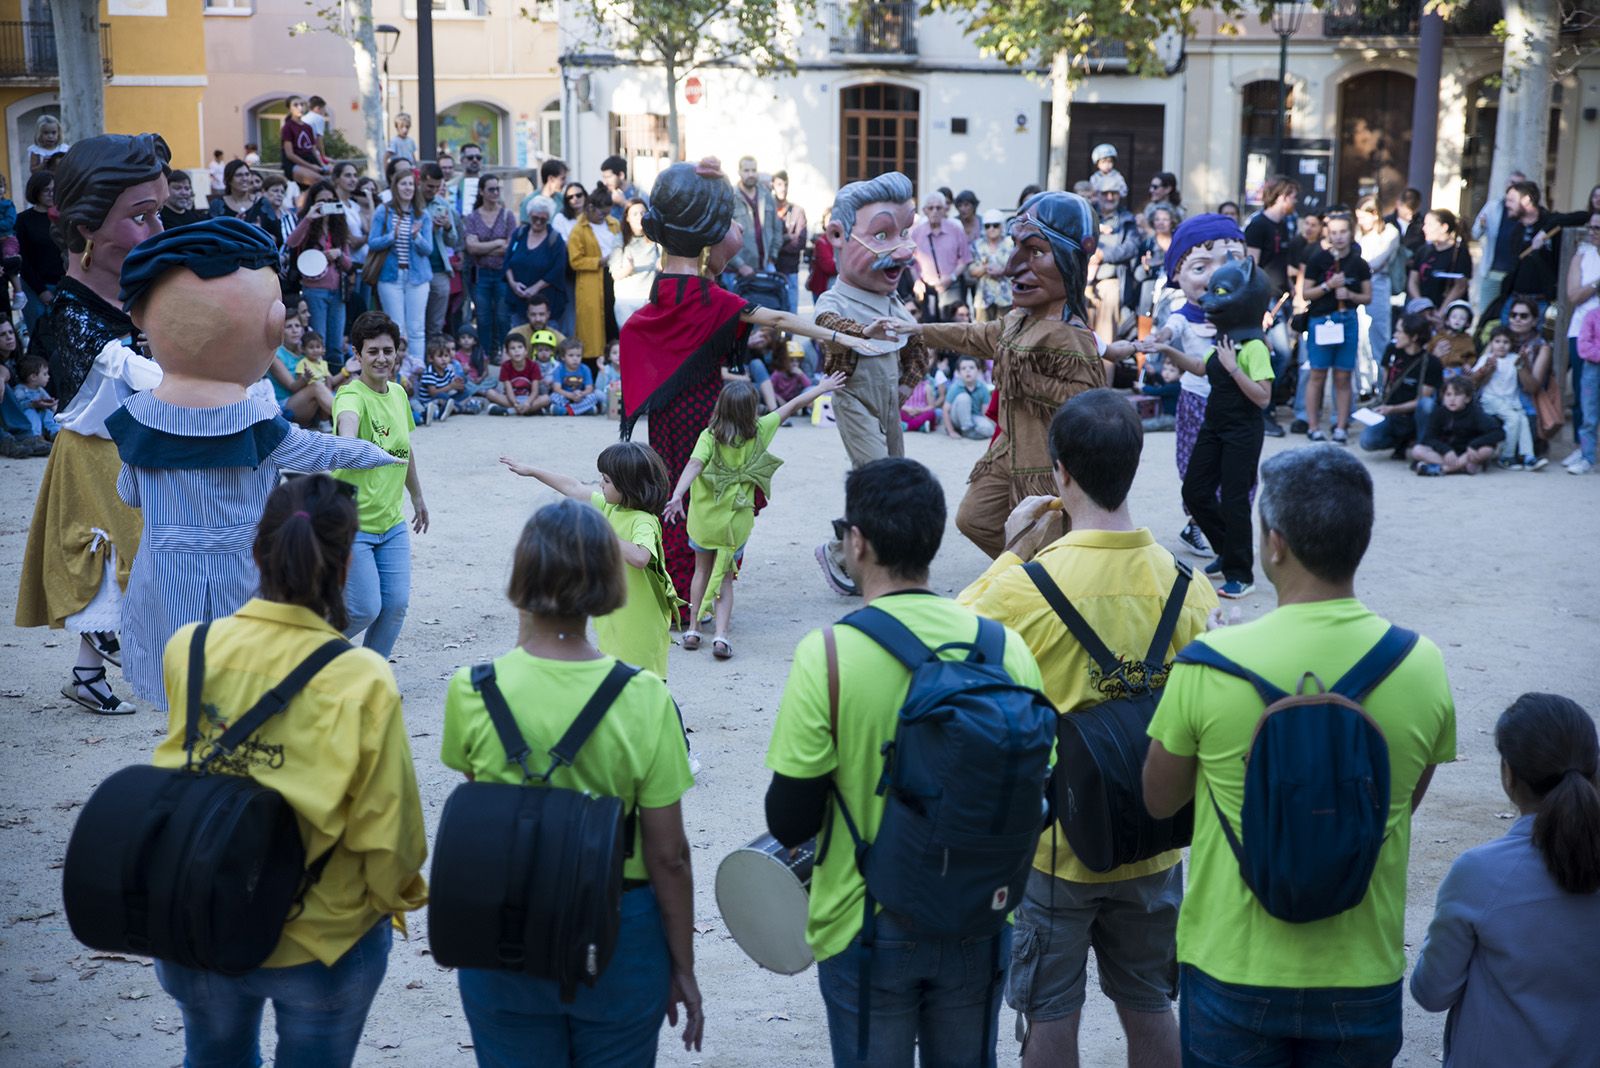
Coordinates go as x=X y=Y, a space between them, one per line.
x=763 y=894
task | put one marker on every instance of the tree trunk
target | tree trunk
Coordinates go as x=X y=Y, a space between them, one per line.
x=76 y=24
x=364 y=48
x=1522 y=126
x=671 y=63
x=1060 y=114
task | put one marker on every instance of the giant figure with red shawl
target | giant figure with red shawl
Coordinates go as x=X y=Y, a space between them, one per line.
x=674 y=348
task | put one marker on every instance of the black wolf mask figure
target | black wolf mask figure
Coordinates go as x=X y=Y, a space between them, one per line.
x=1237 y=299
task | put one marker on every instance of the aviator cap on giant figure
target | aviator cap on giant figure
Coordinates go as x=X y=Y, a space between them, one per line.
x=1069 y=224
x=207 y=295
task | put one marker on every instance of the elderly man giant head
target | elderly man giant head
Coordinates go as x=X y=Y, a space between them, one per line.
x=871 y=232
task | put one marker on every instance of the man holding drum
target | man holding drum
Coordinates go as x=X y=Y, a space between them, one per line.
x=936 y=993
x=1119 y=579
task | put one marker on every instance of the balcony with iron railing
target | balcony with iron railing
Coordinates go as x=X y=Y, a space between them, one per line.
x=1403 y=18
x=885 y=28
x=28 y=52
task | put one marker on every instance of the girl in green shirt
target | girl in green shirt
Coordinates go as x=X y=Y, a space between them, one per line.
x=633 y=488
x=729 y=463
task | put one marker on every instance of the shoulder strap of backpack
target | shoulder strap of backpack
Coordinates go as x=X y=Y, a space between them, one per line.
x=1103 y=657
x=505 y=725
x=566 y=750
x=277 y=699
x=830 y=648
x=1157 y=656
x=1201 y=653
x=893 y=635
x=196 y=683
x=1380 y=661
x=990 y=645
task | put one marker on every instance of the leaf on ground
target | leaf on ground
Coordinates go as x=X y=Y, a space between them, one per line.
x=166 y=1026
x=68 y=806
x=134 y=995
x=777 y=1016
x=41 y=977
x=704 y=927
x=119 y=957
x=429 y=622
x=415 y=984
x=29 y=917
x=1505 y=815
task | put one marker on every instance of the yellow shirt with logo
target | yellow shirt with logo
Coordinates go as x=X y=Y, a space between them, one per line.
x=872 y=687
x=338 y=754
x=638 y=752
x=1119 y=582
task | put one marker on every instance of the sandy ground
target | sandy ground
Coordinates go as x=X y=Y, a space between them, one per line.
x=1463 y=560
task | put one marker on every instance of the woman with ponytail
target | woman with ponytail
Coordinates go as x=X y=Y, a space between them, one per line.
x=339 y=754
x=1515 y=936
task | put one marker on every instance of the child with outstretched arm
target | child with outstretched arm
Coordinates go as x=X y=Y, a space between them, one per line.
x=729 y=463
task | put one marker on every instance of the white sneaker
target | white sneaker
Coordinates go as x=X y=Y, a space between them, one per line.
x=447 y=410
x=1573 y=458
x=1582 y=467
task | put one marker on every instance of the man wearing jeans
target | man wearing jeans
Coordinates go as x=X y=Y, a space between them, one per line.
x=1119 y=579
x=1253 y=988
x=448 y=238
x=937 y=993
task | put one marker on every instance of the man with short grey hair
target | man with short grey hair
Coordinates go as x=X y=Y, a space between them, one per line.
x=1300 y=978
x=943 y=253
x=870 y=232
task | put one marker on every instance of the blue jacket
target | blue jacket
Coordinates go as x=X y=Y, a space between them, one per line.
x=1512 y=957
x=382 y=237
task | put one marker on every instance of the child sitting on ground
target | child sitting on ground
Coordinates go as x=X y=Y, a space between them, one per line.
x=37 y=405
x=1164 y=383
x=542 y=345
x=520 y=389
x=1500 y=394
x=788 y=379
x=1461 y=436
x=471 y=358
x=965 y=403
x=633 y=489
x=921 y=410
x=608 y=380
x=1452 y=345
x=572 y=389
x=729 y=463
x=442 y=388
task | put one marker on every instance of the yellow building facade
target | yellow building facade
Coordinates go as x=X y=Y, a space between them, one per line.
x=154 y=53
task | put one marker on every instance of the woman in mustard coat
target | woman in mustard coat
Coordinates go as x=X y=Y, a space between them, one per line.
x=589 y=249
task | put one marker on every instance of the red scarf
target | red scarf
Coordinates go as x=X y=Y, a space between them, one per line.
x=686 y=332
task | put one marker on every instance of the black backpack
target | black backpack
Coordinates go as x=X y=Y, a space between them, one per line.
x=530 y=880
x=199 y=869
x=1098 y=785
x=764 y=289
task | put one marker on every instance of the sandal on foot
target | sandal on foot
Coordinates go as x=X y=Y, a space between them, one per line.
x=721 y=648
x=106 y=644
x=102 y=702
x=691 y=640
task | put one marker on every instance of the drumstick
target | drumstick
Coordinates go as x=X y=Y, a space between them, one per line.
x=1548 y=234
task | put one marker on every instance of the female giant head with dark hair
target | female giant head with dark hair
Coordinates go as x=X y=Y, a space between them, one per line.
x=691 y=208
x=109 y=191
x=1055 y=235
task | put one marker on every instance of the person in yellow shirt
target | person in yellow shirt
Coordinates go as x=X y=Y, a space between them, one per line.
x=568 y=568
x=339 y=754
x=1118 y=578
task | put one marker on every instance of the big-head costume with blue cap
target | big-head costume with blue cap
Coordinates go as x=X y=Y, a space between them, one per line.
x=1044 y=354
x=199 y=456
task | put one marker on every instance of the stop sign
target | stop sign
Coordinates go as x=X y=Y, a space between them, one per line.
x=693 y=89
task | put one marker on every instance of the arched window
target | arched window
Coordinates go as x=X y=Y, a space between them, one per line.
x=475 y=122
x=878 y=126
x=1259 y=111
x=266 y=128
x=1375 y=135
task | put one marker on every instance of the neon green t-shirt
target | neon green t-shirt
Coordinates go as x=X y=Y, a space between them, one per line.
x=639 y=631
x=386 y=422
x=1222 y=928
x=724 y=520
x=637 y=753
x=872 y=687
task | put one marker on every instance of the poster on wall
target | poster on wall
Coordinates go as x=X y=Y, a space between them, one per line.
x=472 y=123
x=149 y=8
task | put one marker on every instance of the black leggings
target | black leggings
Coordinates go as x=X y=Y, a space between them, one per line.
x=1225 y=458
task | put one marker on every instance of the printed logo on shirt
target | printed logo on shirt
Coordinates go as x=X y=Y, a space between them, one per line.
x=249 y=753
x=1132 y=677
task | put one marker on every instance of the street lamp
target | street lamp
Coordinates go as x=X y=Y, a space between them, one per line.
x=388 y=38
x=1286 y=18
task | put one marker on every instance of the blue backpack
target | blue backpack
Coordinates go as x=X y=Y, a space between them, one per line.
x=1316 y=786
x=964 y=784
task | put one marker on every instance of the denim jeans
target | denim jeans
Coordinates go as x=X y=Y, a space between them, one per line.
x=320 y=1010
x=518 y=1019
x=327 y=316
x=407 y=305
x=378 y=588
x=1398 y=430
x=490 y=297
x=793 y=282
x=1341 y=356
x=1283 y=1027
x=1375 y=332
x=1589 y=405
x=935 y=993
x=13 y=416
